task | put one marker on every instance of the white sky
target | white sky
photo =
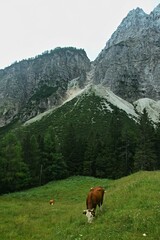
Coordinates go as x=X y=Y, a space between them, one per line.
x=29 y=27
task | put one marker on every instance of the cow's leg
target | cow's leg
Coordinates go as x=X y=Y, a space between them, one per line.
x=100 y=206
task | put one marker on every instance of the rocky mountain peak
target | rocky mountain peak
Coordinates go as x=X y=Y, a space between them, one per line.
x=135 y=23
x=129 y=66
x=155 y=15
x=130 y=27
x=130 y=62
x=135 y=13
x=156 y=10
x=32 y=86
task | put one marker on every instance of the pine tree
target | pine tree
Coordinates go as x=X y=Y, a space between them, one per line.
x=71 y=150
x=14 y=174
x=91 y=153
x=157 y=145
x=127 y=150
x=54 y=166
x=101 y=163
x=32 y=157
x=48 y=156
x=89 y=157
x=114 y=162
x=59 y=167
x=145 y=157
x=35 y=156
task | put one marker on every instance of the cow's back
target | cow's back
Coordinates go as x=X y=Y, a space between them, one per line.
x=95 y=197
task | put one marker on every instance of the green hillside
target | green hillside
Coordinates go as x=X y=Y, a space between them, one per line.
x=131 y=209
x=85 y=113
x=86 y=136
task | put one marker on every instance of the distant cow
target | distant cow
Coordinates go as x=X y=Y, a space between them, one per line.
x=51 y=202
x=94 y=198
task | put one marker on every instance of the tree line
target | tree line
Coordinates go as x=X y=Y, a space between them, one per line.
x=28 y=160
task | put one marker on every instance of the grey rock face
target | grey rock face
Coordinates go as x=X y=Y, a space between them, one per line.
x=130 y=62
x=129 y=65
x=33 y=86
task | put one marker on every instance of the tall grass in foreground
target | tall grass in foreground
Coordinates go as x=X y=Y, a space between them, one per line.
x=131 y=210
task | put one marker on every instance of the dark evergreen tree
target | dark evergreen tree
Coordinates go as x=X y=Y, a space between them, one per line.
x=53 y=164
x=114 y=162
x=35 y=156
x=26 y=147
x=91 y=153
x=59 y=167
x=157 y=145
x=89 y=157
x=101 y=162
x=145 y=157
x=115 y=158
x=127 y=150
x=48 y=156
x=71 y=149
x=32 y=157
x=40 y=141
x=14 y=174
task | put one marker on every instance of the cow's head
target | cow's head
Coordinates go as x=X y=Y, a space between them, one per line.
x=90 y=214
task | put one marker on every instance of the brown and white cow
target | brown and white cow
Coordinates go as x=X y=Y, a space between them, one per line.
x=51 y=202
x=94 y=198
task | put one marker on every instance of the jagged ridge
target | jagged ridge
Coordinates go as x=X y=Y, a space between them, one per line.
x=130 y=62
x=128 y=66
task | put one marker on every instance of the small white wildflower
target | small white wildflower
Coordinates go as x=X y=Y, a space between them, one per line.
x=144 y=235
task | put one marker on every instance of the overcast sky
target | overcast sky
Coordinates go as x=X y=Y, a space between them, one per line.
x=29 y=27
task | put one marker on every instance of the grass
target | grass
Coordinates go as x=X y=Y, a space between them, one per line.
x=131 y=209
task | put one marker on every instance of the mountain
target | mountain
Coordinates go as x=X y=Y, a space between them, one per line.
x=62 y=115
x=101 y=97
x=152 y=107
x=94 y=101
x=93 y=132
x=33 y=86
x=128 y=69
x=130 y=62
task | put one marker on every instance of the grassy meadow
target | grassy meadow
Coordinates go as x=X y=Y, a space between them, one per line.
x=131 y=210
